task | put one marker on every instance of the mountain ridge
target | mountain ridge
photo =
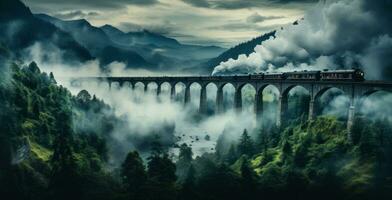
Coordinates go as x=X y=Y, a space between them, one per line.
x=22 y=30
x=150 y=49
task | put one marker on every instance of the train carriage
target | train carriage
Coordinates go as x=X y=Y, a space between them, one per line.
x=274 y=76
x=303 y=75
x=343 y=75
x=333 y=75
x=259 y=76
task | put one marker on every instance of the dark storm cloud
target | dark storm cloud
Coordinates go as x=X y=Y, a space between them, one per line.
x=75 y=14
x=91 y=4
x=238 y=4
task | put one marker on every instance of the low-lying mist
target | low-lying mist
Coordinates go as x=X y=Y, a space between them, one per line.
x=146 y=115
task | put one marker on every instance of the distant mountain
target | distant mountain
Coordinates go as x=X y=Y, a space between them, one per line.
x=132 y=59
x=160 y=44
x=89 y=36
x=20 y=29
x=97 y=42
x=78 y=40
x=138 y=49
x=138 y=38
x=243 y=48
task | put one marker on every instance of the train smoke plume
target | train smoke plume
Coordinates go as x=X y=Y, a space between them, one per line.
x=333 y=35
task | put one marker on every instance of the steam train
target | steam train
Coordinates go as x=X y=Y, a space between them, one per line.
x=326 y=75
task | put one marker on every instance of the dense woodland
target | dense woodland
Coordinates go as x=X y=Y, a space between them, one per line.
x=45 y=154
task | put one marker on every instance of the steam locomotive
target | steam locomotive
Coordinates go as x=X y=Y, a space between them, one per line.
x=326 y=75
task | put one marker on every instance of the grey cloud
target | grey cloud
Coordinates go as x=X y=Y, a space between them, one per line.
x=163 y=28
x=238 y=4
x=77 y=14
x=328 y=35
x=240 y=26
x=256 y=18
x=69 y=4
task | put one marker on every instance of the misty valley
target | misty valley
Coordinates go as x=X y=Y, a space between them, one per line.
x=195 y=100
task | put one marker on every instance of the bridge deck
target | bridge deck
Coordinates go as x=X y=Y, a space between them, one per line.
x=227 y=79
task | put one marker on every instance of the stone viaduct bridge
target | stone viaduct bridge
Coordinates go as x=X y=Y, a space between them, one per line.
x=356 y=91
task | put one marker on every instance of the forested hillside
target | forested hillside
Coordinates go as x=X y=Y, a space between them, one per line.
x=42 y=144
x=47 y=151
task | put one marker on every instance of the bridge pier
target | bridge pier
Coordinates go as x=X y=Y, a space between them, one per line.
x=354 y=89
x=187 y=98
x=238 y=100
x=258 y=104
x=282 y=109
x=203 y=100
x=311 y=109
x=173 y=92
x=145 y=87
x=351 y=118
x=219 y=100
x=159 y=90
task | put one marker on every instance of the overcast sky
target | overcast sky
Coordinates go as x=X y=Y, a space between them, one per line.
x=208 y=22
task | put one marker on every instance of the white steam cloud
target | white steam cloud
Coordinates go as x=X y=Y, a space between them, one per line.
x=333 y=35
x=144 y=113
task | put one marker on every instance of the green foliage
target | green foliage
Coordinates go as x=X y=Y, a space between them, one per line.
x=55 y=146
x=184 y=162
x=246 y=146
x=58 y=156
x=134 y=175
x=318 y=159
x=161 y=174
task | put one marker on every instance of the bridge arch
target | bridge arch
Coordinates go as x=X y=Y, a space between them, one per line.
x=228 y=97
x=220 y=98
x=116 y=85
x=127 y=84
x=248 y=95
x=297 y=98
x=179 y=91
x=195 y=94
x=267 y=98
x=139 y=86
x=373 y=103
x=138 y=91
x=209 y=104
x=152 y=87
x=165 y=90
x=371 y=91
x=332 y=101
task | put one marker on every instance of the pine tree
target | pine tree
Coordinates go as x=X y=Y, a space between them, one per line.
x=161 y=174
x=188 y=191
x=84 y=96
x=367 y=143
x=249 y=180
x=156 y=147
x=245 y=146
x=185 y=153
x=65 y=180
x=232 y=155
x=184 y=161
x=357 y=130
x=52 y=79
x=134 y=175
